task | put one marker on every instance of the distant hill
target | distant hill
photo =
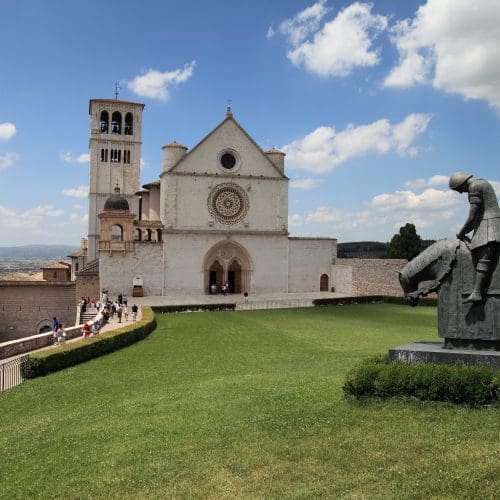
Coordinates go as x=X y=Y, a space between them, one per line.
x=368 y=249
x=37 y=252
x=362 y=250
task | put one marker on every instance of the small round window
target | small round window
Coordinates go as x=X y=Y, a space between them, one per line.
x=228 y=160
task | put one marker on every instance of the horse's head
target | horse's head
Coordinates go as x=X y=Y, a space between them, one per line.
x=410 y=287
x=430 y=266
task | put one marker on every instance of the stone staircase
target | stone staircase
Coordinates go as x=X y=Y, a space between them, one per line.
x=88 y=315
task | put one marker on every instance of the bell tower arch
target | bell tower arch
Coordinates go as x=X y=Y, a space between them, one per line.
x=115 y=158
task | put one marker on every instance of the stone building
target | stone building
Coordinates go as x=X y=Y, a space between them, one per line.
x=218 y=214
x=28 y=302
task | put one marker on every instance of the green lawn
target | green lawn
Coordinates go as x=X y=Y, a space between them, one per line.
x=244 y=404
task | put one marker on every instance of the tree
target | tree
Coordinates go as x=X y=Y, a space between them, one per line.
x=406 y=244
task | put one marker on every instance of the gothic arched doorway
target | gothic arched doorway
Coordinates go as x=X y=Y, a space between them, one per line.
x=323 y=283
x=234 y=277
x=215 y=276
x=227 y=262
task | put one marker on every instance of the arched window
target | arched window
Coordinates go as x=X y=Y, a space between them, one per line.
x=128 y=128
x=138 y=235
x=104 y=122
x=116 y=233
x=116 y=123
x=158 y=235
x=148 y=232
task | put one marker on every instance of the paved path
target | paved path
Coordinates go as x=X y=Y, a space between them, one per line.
x=168 y=300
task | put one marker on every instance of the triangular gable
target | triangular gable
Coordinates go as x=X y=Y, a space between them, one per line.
x=229 y=118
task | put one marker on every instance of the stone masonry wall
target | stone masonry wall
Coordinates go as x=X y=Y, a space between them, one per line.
x=373 y=276
x=87 y=286
x=27 y=307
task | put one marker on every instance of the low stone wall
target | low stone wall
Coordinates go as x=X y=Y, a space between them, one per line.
x=368 y=276
x=28 y=344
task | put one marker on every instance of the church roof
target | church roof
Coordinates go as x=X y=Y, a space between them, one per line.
x=91 y=269
x=57 y=265
x=116 y=201
x=22 y=277
x=229 y=117
x=151 y=184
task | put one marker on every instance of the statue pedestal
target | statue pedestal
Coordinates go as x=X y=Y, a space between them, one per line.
x=434 y=352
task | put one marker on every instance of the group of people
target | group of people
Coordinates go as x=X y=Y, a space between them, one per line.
x=108 y=309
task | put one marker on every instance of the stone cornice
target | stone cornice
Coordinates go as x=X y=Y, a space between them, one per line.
x=225 y=177
x=226 y=232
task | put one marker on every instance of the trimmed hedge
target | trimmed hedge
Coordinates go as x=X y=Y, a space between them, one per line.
x=193 y=307
x=459 y=384
x=44 y=362
x=370 y=299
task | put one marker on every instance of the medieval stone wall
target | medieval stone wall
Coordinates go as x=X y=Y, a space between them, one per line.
x=308 y=260
x=368 y=276
x=27 y=307
x=87 y=286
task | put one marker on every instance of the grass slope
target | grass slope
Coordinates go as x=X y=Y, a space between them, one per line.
x=244 y=404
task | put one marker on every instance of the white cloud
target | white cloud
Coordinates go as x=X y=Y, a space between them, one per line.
x=435 y=180
x=7 y=131
x=324 y=148
x=270 y=32
x=452 y=44
x=340 y=45
x=156 y=85
x=79 y=219
x=8 y=159
x=143 y=163
x=295 y=220
x=305 y=184
x=430 y=199
x=307 y=21
x=69 y=158
x=79 y=192
x=31 y=218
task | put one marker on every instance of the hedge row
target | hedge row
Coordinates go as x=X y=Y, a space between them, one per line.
x=194 y=307
x=43 y=362
x=370 y=299
x=459 y=384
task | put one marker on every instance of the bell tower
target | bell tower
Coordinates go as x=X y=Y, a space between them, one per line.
x=115 y=158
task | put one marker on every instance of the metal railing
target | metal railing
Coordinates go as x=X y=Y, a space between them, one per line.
x=10 y=373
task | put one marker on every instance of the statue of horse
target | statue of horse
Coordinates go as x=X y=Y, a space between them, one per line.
x=447 y=268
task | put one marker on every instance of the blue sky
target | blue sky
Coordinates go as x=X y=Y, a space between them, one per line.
x=375 y=104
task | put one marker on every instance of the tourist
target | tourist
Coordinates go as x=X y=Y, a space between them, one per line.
x=125 y=311
x=135 y=310
x=61 y=335
x=119 y=312
x=86 y=330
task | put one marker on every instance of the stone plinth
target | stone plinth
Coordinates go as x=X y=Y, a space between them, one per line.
x=434 y=352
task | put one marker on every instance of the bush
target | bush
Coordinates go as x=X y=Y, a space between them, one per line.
x=61 y=357
x=459 y=384
x=194 y=307
x=341 y=301
x=370 y=299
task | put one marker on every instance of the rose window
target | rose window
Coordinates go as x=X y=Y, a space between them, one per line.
x=228 y=203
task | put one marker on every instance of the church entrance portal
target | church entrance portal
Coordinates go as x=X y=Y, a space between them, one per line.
x=323 y=283
x=227 y=263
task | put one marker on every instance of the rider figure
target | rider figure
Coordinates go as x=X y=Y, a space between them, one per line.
x=484 y=219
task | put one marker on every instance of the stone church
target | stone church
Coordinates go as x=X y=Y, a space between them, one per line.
x=218 y=214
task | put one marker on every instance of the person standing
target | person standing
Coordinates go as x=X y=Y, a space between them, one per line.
x=135 y=310
x=484 y=221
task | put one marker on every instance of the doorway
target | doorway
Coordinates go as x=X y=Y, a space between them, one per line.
x=234 y=277
x=323 y=283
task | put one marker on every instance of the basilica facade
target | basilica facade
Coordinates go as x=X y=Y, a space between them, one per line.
x=217 y=214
